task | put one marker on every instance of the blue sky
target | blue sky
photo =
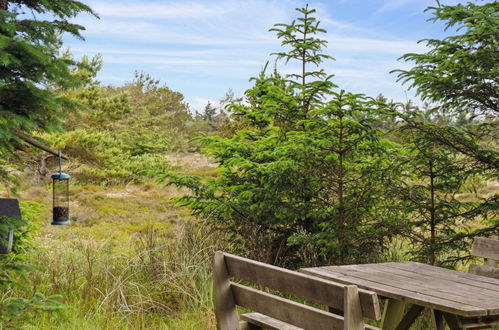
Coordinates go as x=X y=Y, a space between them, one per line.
x=203 y=48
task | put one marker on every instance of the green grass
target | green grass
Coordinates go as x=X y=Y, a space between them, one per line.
x=129 y=260
x=155 y=278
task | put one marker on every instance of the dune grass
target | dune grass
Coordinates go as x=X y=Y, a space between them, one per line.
x=130 y=260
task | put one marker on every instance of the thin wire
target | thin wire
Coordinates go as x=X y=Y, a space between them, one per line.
x=60 y=162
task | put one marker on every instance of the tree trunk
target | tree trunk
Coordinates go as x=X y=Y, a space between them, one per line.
x=303 y=68
x=341 y=201
x=341 y=214
x=431 y=252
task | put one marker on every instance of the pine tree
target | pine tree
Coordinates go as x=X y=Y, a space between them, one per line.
x=452 y=144
x=302 y=181
x=32 y=65
x=460 y=72
x=439 y=192
x=209 y=114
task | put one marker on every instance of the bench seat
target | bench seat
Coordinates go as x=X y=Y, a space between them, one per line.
x=267 y=322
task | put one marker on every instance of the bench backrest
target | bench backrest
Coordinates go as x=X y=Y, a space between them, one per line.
x=348 y=299
x=487 y=248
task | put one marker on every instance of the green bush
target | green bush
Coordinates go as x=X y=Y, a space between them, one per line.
x=17 y=311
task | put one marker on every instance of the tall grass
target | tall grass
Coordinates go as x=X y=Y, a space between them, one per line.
x=155 y=280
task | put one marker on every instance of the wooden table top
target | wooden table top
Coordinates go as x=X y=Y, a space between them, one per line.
x=415 y=283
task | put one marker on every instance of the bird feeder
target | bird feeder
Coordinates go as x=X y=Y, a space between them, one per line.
x=60 y=196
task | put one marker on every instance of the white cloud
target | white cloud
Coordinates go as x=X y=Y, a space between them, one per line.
x=202 y=48
x=168 y=10
x=198 y=103
x=370 y=46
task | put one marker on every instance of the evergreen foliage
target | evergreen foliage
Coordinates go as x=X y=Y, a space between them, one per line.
x=31 y=65
x=125 y=132
x=16 y=312
x=436 y=192
x=303 y=181
x=459 y=74
x=461 y=71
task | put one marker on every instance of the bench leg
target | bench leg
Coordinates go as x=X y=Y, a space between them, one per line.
x=452 y=321
x=409 y=317
x=438 y=319
x=392 y=314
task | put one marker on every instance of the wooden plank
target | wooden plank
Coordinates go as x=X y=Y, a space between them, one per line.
x=460 y=277
x=310 y=288
x=478 y=323
x=409 y=317
x=452 y=321
x=437 y=319
x=392 y=314
x=352 y=310
x=397 y=293
x=285 y=310
x=445 y=286
x=427 y=288
x=225 y=307
x=267 y=322
x=443 y=290
x=484 y=270
x=243 y=325
x=486 y=248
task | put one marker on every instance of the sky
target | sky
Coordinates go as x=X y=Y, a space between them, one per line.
x=204 y=48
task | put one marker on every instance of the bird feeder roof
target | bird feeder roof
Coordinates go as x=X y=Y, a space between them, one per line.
x=60 y=176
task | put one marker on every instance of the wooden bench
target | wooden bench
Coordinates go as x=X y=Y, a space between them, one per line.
x=347 y=304
x=487 y=248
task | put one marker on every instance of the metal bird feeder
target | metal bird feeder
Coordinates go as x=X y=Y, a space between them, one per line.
x=60 y=196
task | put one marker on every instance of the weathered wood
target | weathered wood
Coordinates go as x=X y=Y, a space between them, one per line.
x=267 y=322
x=440 y=284
x=285 y=310
x=478 y=323
x=409 y=317
x=429 y=286
x=447 y=274
x=484 y=270
x=392 y=314
x=385 y=289
x=486 y=248
x=452 y=321
x=225 y=307
x=304 y=286
x=244 y=325
x=437 y=319
x=279 y=312
x=26 y=138
x=352 y=309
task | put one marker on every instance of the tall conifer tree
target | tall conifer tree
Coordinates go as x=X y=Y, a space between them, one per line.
x=302 y=183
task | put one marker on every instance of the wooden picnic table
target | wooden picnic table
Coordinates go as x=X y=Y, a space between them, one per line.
x=451 y=295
